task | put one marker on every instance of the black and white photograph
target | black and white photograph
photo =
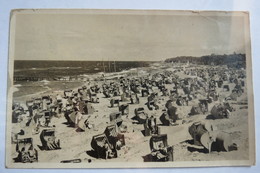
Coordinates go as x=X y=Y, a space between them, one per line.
x=129 y=89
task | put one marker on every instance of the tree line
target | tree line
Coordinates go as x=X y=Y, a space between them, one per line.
x=232 y=60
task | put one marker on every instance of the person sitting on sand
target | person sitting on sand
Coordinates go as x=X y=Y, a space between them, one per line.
x=75 y=100
x=152 y=102
x=162 y=152
x=108 y=151
x=152 y=124
x=78 y=116
x=119 y=144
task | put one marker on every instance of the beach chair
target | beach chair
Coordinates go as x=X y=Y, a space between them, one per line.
x=205 y=135
x=37 y=102
x=102 y=148
x=48 y=139
x=68 y=93
x=116 y=139
x=220 y=111
x=26 y=152
x=140 y=115
x=160 y=150
x=124 y=109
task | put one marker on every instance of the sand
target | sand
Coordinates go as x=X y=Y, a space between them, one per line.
x=76 y=145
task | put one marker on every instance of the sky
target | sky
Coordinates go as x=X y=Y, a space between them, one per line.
x=125 y=37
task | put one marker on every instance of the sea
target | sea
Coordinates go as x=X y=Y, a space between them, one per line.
x=32 y=77
x=72 y=68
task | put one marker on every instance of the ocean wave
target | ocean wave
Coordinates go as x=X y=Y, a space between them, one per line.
x=17 y=85
x=15 y=89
